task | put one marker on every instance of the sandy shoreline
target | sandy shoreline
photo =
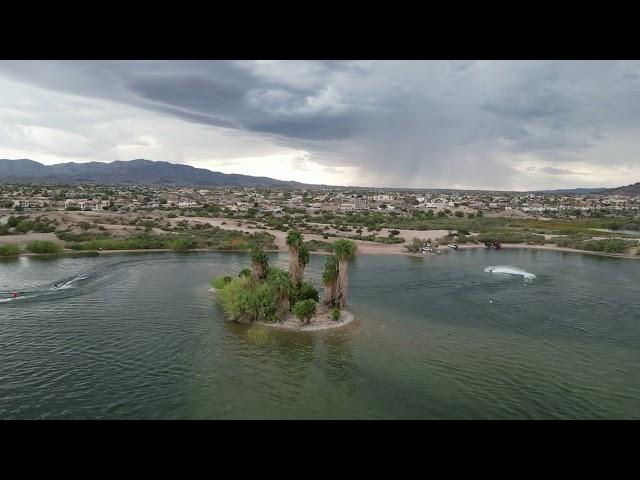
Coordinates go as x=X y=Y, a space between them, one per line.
x=364 y=247
x=379 y=249
x=320 y=321
x=376 y=250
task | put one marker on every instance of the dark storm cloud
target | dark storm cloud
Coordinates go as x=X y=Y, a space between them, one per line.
x=403 y=123
x=527 y=105
x=219 y=93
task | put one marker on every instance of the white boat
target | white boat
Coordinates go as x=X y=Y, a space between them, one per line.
x=453 y=245
x=430 y=250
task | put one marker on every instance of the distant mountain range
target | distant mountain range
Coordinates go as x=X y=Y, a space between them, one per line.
x=164 y=173
x=629 y=190
x=575 y=191
x=129 y=172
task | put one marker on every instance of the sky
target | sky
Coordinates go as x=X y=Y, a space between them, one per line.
x=518 y=125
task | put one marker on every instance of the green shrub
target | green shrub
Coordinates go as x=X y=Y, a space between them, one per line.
x=304 y=291
x=510 y=236
x=81 y=237
x=7 y=249
x=415 y=245
x=181 y=244
x=140 y=242
x=267 y=300
x=584 y=242
x=373 y=238
x=245 y=302
x=304 y=310
x=571 y=241
x=612 y=245
x=237 y=300
x=219 y=282
x=335 y=314
x=24 y=227
x=43 y=246
x=315 y=245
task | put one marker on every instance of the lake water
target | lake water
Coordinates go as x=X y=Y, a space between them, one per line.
x=140 y=336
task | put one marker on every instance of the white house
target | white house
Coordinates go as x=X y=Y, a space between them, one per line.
x=348 y=206
x=383 y=198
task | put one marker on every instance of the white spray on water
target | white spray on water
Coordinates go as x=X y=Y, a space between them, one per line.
x=508 y=270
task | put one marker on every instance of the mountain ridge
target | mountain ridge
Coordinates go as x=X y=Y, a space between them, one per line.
x=632 y=190
x=150 y=172
x=137 y=171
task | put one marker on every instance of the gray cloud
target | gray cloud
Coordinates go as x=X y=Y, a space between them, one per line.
x=555 y=171
x=422 y=124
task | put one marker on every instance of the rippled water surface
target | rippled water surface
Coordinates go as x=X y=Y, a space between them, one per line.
x=140 y=336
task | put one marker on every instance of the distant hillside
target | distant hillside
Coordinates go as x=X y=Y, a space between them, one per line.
x=575 y=191
x=629 y=190
x=132 y=172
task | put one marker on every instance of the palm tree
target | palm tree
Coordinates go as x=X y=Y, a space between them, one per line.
x=281 y=281
x=330 y=277
x=303 y=259
x=344 y=250
x=259 y=263
x=295 y=241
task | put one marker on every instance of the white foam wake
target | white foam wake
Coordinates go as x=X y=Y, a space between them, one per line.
x=507 y=270
x=69 y=283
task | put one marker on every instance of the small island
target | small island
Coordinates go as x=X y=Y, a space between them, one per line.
x=269 y=295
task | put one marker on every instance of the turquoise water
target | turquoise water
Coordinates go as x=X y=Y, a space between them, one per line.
x=140 y=336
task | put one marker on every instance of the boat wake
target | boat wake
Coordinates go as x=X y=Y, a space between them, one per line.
x=507 y=270
x=46 y=292
x=71 y=283
x=79 y=283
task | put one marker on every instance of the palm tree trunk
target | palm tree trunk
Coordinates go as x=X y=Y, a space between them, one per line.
x=329 y=293
x=284 y=303
x=343 y=282
x=255 y=271
x=294 y=264
x=300 y=273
